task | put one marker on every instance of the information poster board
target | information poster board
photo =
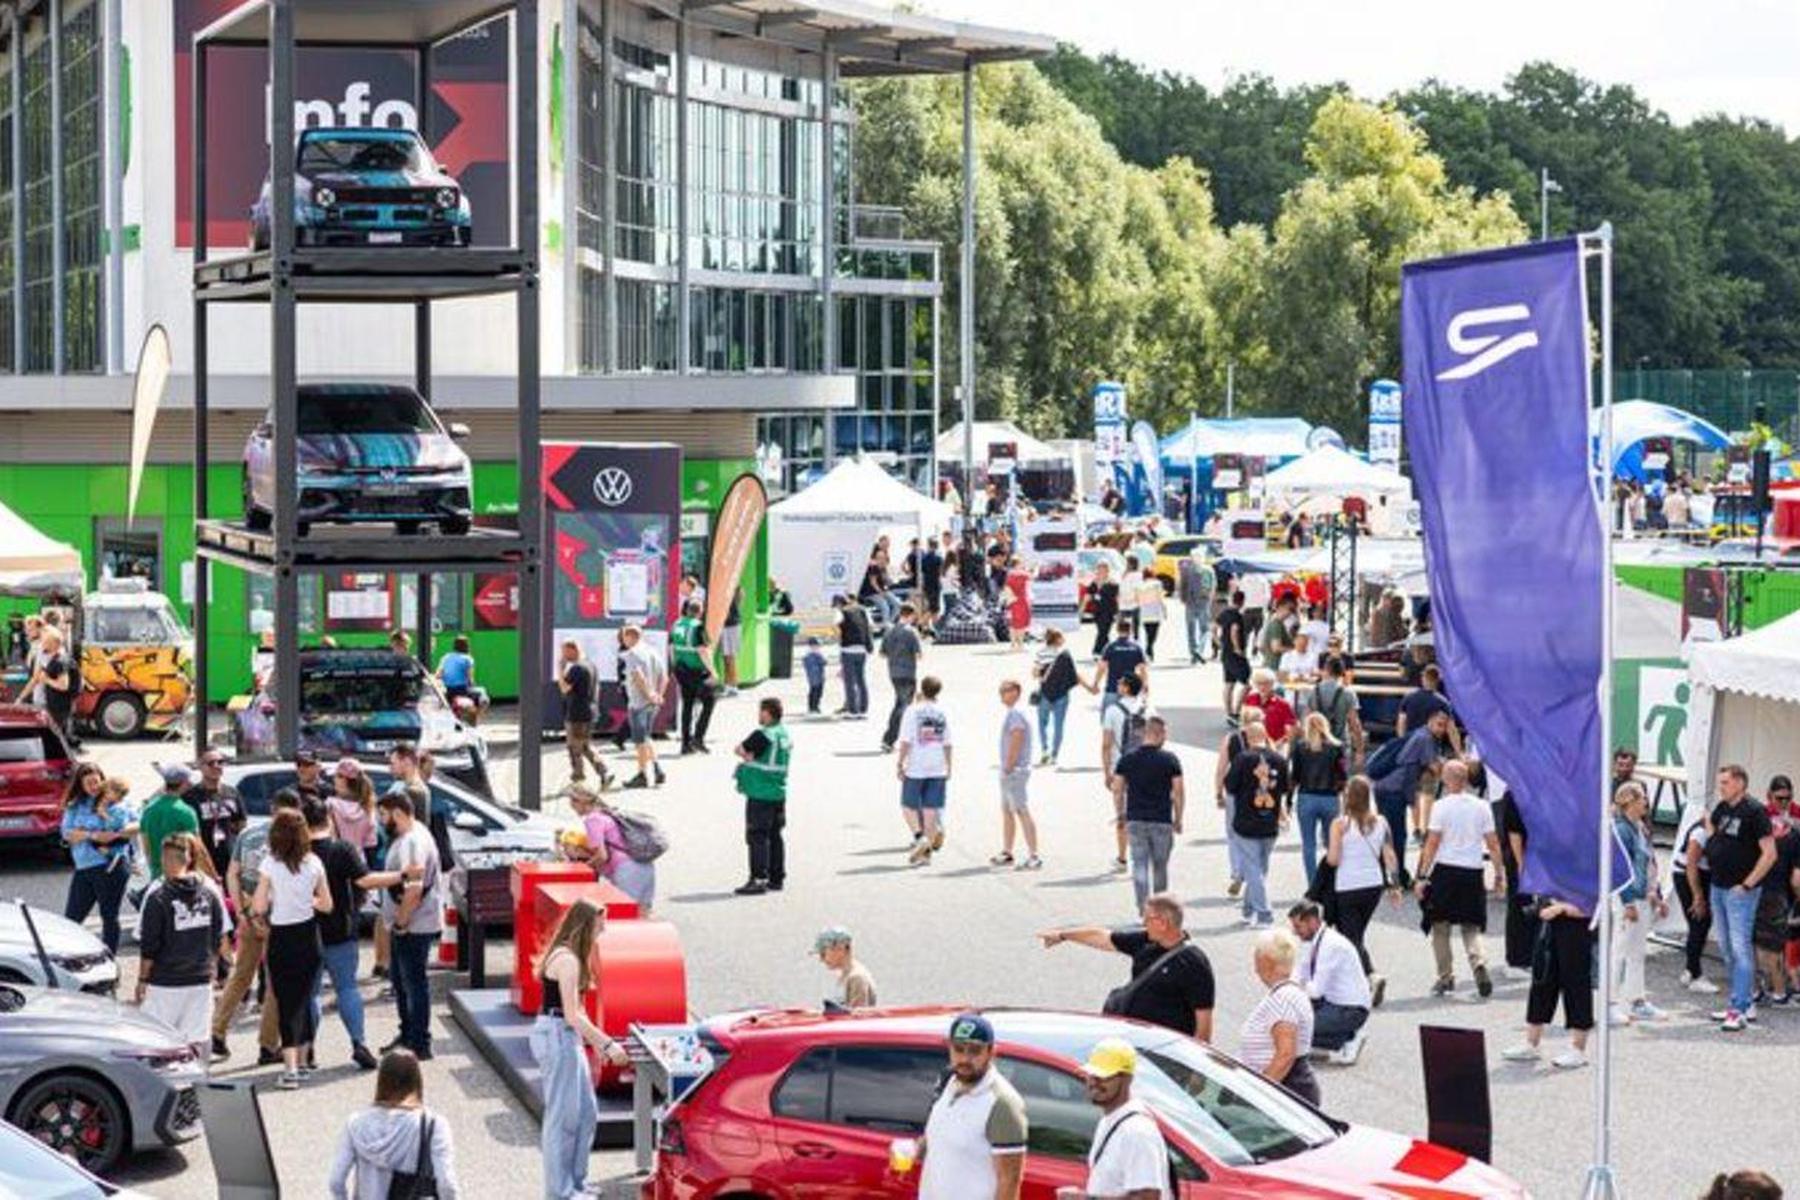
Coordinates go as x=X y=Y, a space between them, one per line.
x=612 y=514
x=1109 y=429
x=1048 y=549
x=357 y=603
x=1704 y=592
x=1384 y=424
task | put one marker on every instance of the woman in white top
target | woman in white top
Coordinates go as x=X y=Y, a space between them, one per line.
x=1150 y=605
x=1452 y=883
x=290 y=893
x=1357 y=846
x=1277 y=1034
x=1130 y=589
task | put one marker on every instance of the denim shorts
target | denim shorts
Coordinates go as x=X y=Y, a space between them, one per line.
x=1015 y=790
x=640 y=720
x=922 y=793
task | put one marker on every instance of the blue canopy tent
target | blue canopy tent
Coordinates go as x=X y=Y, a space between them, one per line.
x=1634 y=421
x=1275 y=440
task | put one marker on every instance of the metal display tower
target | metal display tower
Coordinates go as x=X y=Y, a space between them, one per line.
x=286 y=275
x=1342 y=605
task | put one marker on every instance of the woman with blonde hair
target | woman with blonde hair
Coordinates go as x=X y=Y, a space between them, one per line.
x=567 y=1130
x=1358 y=848
x=1277 y=1035
x=1317 y=770
x=1636 y=906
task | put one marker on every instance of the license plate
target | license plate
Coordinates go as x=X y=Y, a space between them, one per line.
x=384 y=239
x=384 y=489
x=15 y=823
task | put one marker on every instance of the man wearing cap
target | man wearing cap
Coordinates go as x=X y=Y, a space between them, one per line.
x=167 y=814
x=1128 y=1159
x=974 y=1144
x=308 y=779
x=833 y=948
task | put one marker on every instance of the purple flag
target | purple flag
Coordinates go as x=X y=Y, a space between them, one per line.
x=1496 y=416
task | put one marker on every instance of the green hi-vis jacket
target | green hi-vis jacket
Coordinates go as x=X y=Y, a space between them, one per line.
x=765 y=778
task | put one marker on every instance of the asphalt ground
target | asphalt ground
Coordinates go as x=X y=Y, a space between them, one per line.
x=1687 y=1100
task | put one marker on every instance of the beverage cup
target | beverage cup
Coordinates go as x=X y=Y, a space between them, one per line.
x=903 y=1155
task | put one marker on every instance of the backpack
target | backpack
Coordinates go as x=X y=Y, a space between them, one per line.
x=1337 y=712
x=1384 y=761
x=1131 y=736
x=642 y=836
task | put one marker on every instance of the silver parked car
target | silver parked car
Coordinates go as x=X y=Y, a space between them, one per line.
x=92 y=1078
x=79 y=960
x=28 y=1168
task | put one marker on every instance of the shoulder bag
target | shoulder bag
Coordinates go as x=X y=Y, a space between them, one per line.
x=420 y=1183
x=1118 y=1001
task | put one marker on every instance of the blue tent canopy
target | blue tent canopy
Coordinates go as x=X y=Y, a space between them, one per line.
x=1273 y=439
x=1634 y=421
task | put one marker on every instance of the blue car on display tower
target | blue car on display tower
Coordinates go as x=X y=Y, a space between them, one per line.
x=368 y=187
x=368 y=452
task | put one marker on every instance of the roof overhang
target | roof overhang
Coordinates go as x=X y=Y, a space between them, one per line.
x=358 y=22
x=867 y=39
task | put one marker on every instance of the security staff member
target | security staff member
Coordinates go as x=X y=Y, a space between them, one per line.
x=762 y=778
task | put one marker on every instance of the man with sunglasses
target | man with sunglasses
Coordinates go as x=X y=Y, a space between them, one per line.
x=219 y=808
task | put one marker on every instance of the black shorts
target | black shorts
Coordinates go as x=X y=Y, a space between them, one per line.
x=1237 y=668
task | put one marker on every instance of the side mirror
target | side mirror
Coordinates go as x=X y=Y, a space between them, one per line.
x=459 y=431
x=469 y=822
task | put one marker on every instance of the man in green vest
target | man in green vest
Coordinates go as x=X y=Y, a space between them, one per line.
x=694 y=677
x=762 y=777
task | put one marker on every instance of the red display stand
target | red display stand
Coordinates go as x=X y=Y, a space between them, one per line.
x=527 y=879
x=641 y=975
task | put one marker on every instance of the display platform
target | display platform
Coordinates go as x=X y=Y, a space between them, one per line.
x=503 y=1037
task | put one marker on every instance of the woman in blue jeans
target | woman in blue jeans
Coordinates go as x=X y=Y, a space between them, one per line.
x=99 y=828
x=566 y=1135
x=1317 y=770
x=855 y=640
x=1057 y=677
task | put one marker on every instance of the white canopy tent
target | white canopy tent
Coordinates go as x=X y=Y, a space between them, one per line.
x=987 y=433
x=32 y=564
x=819 y=540
x=1744 y=704
x=1334 y=472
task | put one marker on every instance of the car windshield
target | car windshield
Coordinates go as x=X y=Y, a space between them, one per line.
x=1229 y=1111
x=364 y=412
x=326 y=153
x=344 y=695
x=30 y=1168
x=147 y=624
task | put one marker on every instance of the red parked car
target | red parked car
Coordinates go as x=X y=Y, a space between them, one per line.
x=803 y=1106
x=34 y=773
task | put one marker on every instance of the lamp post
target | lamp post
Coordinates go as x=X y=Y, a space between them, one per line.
x=1642 y=359
x=1546 y=185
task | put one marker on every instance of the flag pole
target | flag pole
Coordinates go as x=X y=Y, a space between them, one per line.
x=1601 y=1183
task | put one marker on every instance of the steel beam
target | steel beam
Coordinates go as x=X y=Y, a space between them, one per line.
x=532 y=643
x=283 y=381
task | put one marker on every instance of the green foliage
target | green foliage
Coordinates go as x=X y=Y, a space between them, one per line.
x=1091 y=268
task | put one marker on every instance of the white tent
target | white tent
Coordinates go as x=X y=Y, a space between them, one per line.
x=33 y=564
x=1332 y=471
x=987 y=433
x=819 y=540
x=1744 y=704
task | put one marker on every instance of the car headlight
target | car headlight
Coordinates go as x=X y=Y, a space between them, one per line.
x=76 y=964
x=324 y=197
x=447 y=198
x=159 y=1060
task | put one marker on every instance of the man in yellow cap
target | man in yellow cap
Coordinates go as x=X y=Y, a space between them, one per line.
x=1128 y=1159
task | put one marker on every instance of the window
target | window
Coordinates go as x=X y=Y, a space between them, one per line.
x=80 y=126
x=447 y=610
x=885 y=1088
x=130 y=553
x=804 y=1093
x=29 y=746
x=341 y=410
x=257 y=790
x=1235 y=1115
x=1061 y=1117
x=8 y=266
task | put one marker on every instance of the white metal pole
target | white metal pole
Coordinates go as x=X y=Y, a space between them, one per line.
x=1230 y=386
x=965 y=288
x=1544 y=204
x=1194 y=472
x=1601 y=1185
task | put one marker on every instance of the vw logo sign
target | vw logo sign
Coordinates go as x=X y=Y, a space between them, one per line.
x=389 y=474
x=612 y=486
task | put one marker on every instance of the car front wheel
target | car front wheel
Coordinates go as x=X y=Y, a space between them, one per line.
x=76 y=1116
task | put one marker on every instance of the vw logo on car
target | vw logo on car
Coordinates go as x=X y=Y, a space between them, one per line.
x=612 y=486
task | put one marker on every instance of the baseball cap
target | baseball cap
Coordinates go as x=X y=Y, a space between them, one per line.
x=305 y=758
x=349 y=768
x=972 y=1027
x=831 y=935
x=175 y=773
x=1109 y=1057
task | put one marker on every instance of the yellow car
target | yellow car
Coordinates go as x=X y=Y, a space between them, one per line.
x=1169 y=553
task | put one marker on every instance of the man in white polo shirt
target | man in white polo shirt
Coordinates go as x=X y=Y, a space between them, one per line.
x=974 y=1145
x=1128 y=1159
x=1331 y=971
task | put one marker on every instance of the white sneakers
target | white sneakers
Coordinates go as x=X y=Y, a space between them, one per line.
x=1701 y=985
x=1347 y=1054
x=1569 y=1059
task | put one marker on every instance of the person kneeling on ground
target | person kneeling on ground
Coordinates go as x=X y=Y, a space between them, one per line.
x=1332 y=973
x=397 y=1141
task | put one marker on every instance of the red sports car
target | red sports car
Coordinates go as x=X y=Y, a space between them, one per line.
x=803 y=1106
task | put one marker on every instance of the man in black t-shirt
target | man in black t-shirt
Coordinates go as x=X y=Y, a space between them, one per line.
x=219 y=808
x=1740 y=849
x=1256 y=782
x=1234 y=657
x=1171 y=978
x=1118 y=658
x=1103 y=594
x=1148 y=797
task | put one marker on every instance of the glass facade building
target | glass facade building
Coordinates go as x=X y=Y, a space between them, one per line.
x=51 y=164
x=782 y=273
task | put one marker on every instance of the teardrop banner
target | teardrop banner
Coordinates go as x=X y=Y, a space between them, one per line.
x=734 y=536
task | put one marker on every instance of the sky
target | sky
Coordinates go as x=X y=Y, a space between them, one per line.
x=1688 y=58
